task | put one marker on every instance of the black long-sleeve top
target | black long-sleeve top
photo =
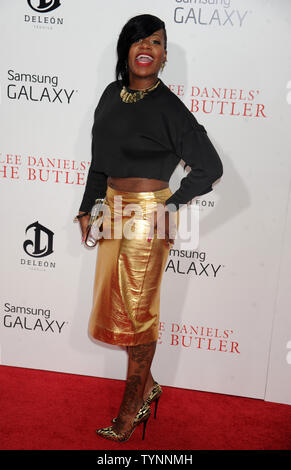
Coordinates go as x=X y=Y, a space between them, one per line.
x=147 y=139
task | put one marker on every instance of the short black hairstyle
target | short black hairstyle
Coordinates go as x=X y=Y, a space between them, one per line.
x=138 y=27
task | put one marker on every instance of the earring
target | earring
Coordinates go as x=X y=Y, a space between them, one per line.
x=163 y=65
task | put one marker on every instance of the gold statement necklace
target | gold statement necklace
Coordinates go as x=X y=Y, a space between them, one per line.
x=134 y=96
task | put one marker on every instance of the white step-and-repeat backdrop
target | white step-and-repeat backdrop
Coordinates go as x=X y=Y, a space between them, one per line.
x=225 y=322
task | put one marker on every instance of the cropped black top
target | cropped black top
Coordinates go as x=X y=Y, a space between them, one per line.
x=148 y=139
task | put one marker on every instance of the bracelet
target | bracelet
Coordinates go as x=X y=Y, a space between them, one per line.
x=98 y=201
x=80 y=215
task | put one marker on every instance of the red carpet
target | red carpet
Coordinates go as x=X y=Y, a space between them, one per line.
x=49 y=410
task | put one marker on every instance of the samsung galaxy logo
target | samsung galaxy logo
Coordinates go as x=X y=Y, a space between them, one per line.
x=206 y=16
x=31 y=319
x=27 y=310
x=224 y=3
x=37 y=87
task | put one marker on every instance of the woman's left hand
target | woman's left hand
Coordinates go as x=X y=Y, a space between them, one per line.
x=84 y=221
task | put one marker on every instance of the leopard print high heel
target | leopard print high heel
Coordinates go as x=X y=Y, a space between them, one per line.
x=142 y=416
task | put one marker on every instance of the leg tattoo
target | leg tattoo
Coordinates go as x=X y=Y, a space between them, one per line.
x=139 y=363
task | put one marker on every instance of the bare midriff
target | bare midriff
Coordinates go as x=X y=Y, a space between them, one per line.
x=136 y=185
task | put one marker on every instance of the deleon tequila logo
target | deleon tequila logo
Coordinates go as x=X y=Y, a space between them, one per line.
x=43 y=21
x=42 y=243
x=43 y=6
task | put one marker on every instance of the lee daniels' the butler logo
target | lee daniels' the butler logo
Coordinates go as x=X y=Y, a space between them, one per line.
x=199 y=337
x=38 y=244
x=37 y=248
x=44 y=169
x=222 y=101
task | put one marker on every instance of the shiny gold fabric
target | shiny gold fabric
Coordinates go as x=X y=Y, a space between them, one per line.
x=129 y=269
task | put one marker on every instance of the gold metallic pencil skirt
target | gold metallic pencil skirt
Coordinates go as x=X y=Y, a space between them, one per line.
x=129 y=269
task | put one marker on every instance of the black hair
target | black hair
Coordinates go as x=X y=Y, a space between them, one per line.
x=138 y=27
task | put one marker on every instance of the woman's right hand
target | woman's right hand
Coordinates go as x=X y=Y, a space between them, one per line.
x=165 y=225
x=84 y=221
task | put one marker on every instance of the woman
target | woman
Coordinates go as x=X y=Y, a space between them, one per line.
x=141 y=131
